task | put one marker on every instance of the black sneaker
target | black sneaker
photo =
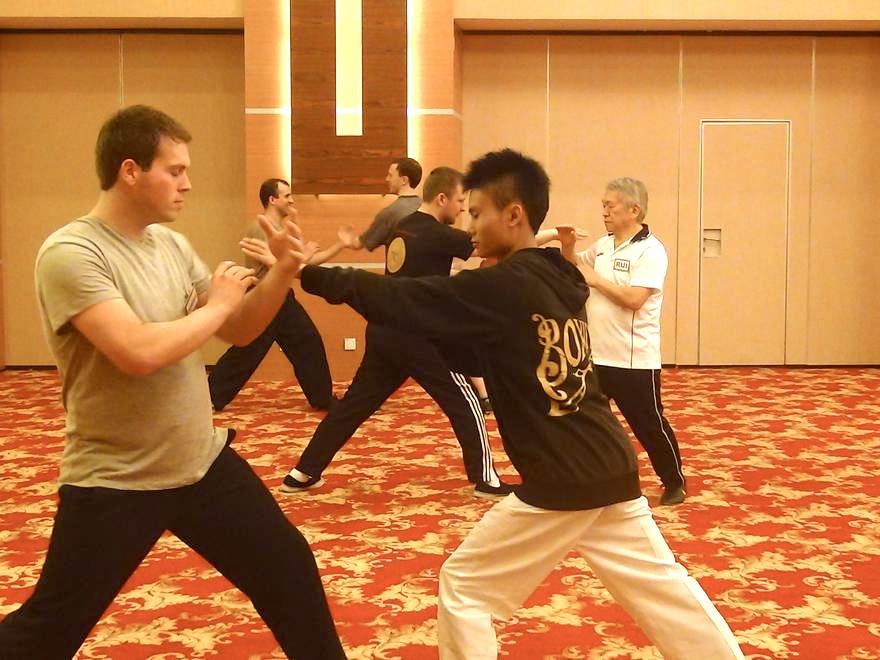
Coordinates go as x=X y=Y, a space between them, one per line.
x=482 y=489
x=673 y=496
x=485 y=405
x=291 y=485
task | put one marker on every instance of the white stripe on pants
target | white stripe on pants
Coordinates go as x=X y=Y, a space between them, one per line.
x=515 y=546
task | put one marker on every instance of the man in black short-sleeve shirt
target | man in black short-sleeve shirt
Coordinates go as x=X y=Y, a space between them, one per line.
x=421 y=244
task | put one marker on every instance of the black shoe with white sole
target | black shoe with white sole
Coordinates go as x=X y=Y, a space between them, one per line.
x=291 y=485
x=484 y=489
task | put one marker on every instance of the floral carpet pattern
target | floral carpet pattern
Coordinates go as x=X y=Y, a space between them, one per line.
x=780 y=526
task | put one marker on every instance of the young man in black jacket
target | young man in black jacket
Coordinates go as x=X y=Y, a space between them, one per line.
x=580 y=485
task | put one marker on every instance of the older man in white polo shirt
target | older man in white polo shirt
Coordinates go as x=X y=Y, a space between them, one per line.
x=625 y=270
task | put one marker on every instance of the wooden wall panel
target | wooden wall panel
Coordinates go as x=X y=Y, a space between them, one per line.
x=844 y=307
x=57 y=89
x=322 y=161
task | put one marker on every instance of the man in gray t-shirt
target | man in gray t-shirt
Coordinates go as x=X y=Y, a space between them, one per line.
x=404 y=174
x=126 y=304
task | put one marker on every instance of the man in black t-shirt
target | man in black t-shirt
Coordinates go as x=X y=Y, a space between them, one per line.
x=421 y=244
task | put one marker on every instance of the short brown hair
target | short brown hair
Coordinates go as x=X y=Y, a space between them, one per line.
x=269 y=188
x=133 y=133
x=410 y=168
x=441 y=180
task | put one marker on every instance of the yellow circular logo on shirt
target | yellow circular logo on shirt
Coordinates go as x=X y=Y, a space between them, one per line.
x=395 y=255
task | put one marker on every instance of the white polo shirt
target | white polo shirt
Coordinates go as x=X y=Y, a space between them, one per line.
x=621 y=337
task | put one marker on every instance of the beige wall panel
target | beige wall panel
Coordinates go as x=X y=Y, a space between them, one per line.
x=744 y=78
x=744 y=203
x=439 y=141
x=844 y=307
x=199 y=80
x=504 y=94
x=614 y=111
x=457 y=73
x=56 y=91
x=666 y=15
x=77 y=14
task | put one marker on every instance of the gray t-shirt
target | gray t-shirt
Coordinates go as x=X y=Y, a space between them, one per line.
x=128 y=432
x=255 y=231
x=386 y=220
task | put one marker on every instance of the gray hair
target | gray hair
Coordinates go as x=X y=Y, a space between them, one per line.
x=633 y=192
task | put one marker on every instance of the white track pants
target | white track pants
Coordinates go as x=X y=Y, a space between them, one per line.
x=515 y=546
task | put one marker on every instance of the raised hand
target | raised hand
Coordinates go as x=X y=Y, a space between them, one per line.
x=229 y=284
x=285 y=244
x=348 y=237
x=258 y=250
x=568 y=236
x=309 y=250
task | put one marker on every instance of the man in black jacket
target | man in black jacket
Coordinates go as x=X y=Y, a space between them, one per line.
x=580 y=486
x=423 y=243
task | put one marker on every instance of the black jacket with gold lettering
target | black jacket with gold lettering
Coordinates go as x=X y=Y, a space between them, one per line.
x=526 y=320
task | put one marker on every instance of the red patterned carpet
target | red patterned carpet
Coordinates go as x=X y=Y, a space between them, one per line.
x=780 y=526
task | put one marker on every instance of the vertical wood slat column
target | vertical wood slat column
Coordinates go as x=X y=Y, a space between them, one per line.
x=324 y=162
x=267 y=96
x=265 y=28
x=435 y=85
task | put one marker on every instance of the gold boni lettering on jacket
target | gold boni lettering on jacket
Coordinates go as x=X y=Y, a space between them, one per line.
x=565 y=362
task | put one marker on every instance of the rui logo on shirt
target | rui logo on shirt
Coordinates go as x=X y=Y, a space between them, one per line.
x=565 y=362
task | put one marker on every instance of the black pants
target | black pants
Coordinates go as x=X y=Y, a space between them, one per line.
x=301 y=343
x=101 y=535
x=390 y=357
x=637 y=394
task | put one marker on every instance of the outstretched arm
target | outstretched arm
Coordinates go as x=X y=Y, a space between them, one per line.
x=263 y=301
x=545 y=236
x=471 y=305
x=258 y=249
